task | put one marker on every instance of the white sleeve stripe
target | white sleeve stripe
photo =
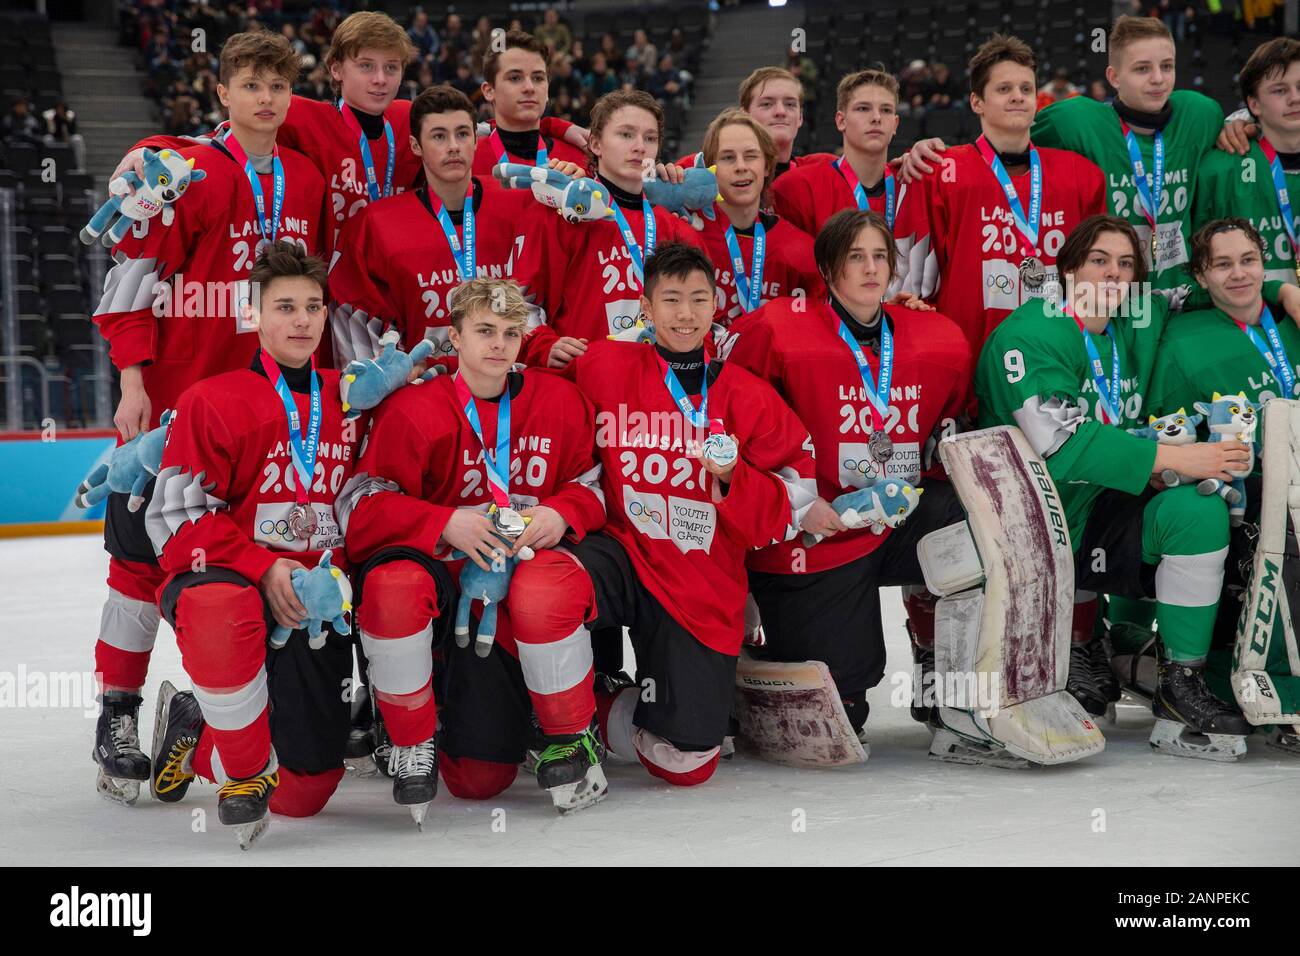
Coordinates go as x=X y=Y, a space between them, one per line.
x=129 y=286
x=178 y=497
x=1047 y=425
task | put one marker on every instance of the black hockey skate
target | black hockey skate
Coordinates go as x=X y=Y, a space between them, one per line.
x=1191 y=721
x=363 y=735
x=123 y=766
x=1285 y=738
x=244 y=804
x=176 y=727
x=1136 y=666
x=570 y=769
x=922 y=679
x=1099 y=655
x=414 y=770
x=384 y=749
x=1081 y=682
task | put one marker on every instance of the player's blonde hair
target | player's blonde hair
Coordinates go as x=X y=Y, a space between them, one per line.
x=751 y=84
x=1129 y=30
x=734 y=116
x=368 y=30
x=844 y=91
x=501 y=297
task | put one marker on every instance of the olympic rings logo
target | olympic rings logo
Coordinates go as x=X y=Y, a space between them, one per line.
x=1000 y=282
x=622 y=323
x=643 y=514
x=281 y=528
x=444 y=347
x=864 y=467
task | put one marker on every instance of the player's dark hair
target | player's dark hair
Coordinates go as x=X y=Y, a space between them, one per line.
x=613 y=101
x=513 y=40
x=283 y=259
x=999 y=48
x=1202 y=238
x=263 y=51
x=1074 y=251
x=833 y=244
x=675 y=260
x=850 y=83
x=439 y=99
x=1268 y=59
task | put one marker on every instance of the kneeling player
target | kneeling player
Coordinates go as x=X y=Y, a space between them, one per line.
x=701 y=462
x=838 y=364
x=438 y=457
x=1072 y=375
x=253 y=463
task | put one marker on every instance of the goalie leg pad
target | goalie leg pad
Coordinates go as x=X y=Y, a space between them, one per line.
x=791 y=714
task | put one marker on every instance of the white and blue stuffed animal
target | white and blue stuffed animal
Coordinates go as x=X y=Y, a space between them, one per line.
x=364 y=384
x=326 y=593
x=883 y=503
x=490 y=587
x=1231 y=417
x=128 y=469
x=167 y=175
x=577 y=200
x=640 y=332
x=692 y=197
x=1176 y=429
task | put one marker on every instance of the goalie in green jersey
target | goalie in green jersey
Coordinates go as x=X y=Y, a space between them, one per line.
x=1238 y=348
x=1067 y=371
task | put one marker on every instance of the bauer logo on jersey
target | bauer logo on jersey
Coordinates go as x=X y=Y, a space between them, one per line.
x=271 y=527
x=857 y=467
x=622 y=315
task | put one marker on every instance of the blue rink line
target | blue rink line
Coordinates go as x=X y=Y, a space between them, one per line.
x=38 y=479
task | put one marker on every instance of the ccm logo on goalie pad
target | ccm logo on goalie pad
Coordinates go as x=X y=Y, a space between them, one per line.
x=688 y=524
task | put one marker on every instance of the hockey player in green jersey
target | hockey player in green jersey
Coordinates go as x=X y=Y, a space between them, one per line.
x=1069 y=373
x=1259 y=186
x=1235 y=347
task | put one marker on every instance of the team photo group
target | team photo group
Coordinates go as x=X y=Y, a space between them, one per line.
x=421 y=411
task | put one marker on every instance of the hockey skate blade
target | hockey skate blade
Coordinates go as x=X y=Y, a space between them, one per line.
x=166 y=692
x=362 y=766
x=418 y=812
x=248 y=833
x=953 y=748
x=1285 y=741
x=125 y=792
x=590 y=790
x=1178 y=740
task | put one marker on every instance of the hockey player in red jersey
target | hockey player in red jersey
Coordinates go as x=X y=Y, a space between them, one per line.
x=877 y=387
x=773 y=96
x=691 y=483
x=591 y=285
x=400 y=260
x=979 y=236
x=355 y=140
x=246 y=496
x=756 y=256
x=438 y=456
x=171 y=313
x=515 y=83
x=867 y=116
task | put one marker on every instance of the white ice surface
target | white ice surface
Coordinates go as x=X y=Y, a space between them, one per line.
x=900 y=807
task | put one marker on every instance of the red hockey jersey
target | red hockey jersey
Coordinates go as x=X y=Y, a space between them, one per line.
x=173 y=297
x=814 y=192
x=685 y=534
x=788 y=265
x=959 y=247
x=588 y=286
x=227 y=481
x=552 y=130
x=395 y=267
x=802 y=355
x=422 y=461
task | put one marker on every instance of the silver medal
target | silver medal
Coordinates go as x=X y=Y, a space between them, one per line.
x=881 y=447
x=1033 y=273
x=719 y=449
x=508 y=522
x=302 y=521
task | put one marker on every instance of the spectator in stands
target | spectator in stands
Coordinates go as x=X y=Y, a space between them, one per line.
x=677 y=46
x=563 y=77
x=912 y=86
x=668 y=84
x=21 y=125
x=480 y=39
x=1060 y=88
x=454 y=36
x=465 y=81
x=553 y=33
x=424 y=37
x=942 y=91
x=291 y=34
x=633 y=76
x=805 y=70
x=581 y=64
x=601 y=79
x=642 y=50
x=61 y=127
x=564 y=105
x=316 y=85
x=613 y=57
x=1097 y=90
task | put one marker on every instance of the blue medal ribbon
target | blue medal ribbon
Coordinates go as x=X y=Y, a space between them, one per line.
x=497 y=465
x=303 y=453
x=1274 y=352
x=1027 y=226
x=749 y=291
x=1283 y=197
x=860 y=194
x=878 y=398
x=1150 y=190
x=699 y=418
x=1107 y=394
x=629 y=240
x=464 y=256
x=504 y=157
x=267 y=227
x=367 y=158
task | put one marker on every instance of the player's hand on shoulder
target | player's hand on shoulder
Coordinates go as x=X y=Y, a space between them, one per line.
x=909 y=301
x=564 y=351
x=921 y=159
x=277 y=588
x=1235 y=136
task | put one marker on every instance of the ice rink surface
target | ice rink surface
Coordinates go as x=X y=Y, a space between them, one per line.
x=1127 y=806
